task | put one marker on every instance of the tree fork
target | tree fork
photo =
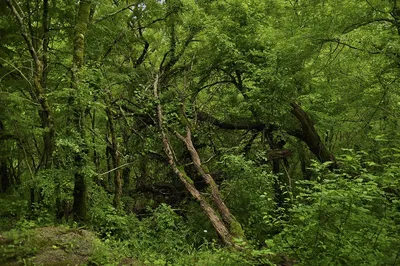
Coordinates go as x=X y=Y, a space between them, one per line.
x=234 y=226
x=308 y=134
x=39 y=82
x=217 y=223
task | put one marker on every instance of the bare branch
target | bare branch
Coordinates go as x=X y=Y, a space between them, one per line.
x=113 y=13
x=338 y=41
x=359 y=25
x=24 y=33
x=112 y=170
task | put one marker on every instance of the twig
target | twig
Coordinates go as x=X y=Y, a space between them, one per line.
x=113 y=14
x=116 y=168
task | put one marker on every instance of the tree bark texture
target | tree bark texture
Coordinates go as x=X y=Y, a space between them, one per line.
x=217 y=223
x=5 y=179
x=308 y=134
x=80 y=187
x=114 y=156
x=39 y=80
x=311 y=137
x=229 y=220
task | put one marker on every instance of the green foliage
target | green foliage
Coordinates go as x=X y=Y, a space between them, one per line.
x=109 y=253
x=15 y=247
x=236 y=63
x=103 y=217
x=344 y=218
x=12 y=209
x=247 y=189
x=54 y=184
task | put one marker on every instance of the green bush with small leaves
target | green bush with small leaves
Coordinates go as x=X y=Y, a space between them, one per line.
x=345 y=217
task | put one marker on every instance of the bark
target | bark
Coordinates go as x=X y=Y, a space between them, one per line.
x=39 y=80
x=45 y=41
x=4 y=176
x=143 y=172
x=47 y=118
x=106 y=182
x=115 y=158
x=39 y=84
x=311 y=137
x=307 y=133
x=278 y=182
x=5 y=181
x=234 y=227
x=247 y=148
x=217 y=223
x=96 y=153
x=80 y=187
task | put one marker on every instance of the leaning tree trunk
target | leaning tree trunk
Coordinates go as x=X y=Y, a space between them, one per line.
x=311 y=137
x=234 y=226
x=217 y=223
x=80 y=187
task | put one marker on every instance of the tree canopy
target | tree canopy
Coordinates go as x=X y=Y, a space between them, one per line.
x=254 y=132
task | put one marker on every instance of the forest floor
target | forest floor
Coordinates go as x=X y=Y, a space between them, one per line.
x=49 y=246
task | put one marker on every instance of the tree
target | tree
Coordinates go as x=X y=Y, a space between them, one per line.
x=137 y=103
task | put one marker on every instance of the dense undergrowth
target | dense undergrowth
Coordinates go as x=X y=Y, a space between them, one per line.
x=348 y=216
x=118 y=117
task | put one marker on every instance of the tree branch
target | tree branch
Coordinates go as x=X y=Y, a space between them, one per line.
x=359 y=25
x=25 y=35
x=232 y=126
x=113 y=13
x=338 y=41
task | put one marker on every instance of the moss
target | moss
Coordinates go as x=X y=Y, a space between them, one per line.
x=48 y=246
x=205 y=169
x=236 y=229
x=187 y=178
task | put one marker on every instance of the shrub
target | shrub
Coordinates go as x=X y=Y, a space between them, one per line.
x=343 y=218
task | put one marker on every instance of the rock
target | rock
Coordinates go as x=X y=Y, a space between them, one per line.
x=50 y=246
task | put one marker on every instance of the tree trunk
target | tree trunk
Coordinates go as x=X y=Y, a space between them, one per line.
x=4 y=177
x=39 y=80
x=47 y=118
x=80 y=187
x=311 y=137
x=5 y=181
x=217 y=223
x=114 y=156
x=235 y=228
x=307 y=134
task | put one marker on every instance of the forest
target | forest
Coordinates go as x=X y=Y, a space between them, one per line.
x=200 y=132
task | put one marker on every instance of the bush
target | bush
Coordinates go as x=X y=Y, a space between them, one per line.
x=343 y=218
x=248 y=189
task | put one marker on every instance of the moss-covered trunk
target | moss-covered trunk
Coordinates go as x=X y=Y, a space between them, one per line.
x=311 y=137
x=212 y=215
x=234 y=226
x=80 y=187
